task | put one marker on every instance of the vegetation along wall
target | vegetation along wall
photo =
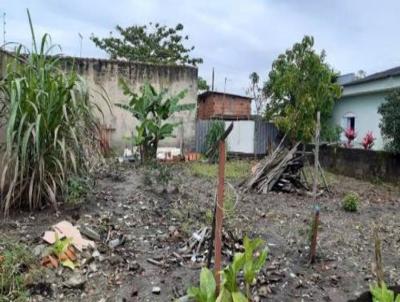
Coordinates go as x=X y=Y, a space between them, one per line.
x=102 y=75
x=362 y=164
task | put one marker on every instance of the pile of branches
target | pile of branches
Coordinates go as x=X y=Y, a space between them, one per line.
x=280 y=171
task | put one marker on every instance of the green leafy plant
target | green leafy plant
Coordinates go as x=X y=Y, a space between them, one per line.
x=230 y=291
x=152 y=109
x=207 y=290
x=350 y=202
x=252 y=264
x=60 y=245
x=382 y=293
x=51 y=129
x=202 y=84
x=77 y=189
x=390 y=121
x=58 y=248
x=217 y=128
x=330 y=133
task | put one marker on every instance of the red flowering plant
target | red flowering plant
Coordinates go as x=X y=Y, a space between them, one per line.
x=350 y=135
x=368 y=141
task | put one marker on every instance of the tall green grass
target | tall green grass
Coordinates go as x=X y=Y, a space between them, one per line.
x=51 y=129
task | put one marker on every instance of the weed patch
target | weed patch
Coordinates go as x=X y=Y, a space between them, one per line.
x=15 y=263
x=234 y=170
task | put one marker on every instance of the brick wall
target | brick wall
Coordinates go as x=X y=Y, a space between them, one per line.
x=223 y=106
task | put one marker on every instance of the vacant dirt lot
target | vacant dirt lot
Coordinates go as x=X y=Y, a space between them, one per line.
x=154 y=211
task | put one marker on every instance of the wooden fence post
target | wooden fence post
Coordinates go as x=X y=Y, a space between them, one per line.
x=314 y=234
x=219 y=213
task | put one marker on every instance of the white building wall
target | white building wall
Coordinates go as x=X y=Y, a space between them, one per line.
x=365 y=109
x=241 y=139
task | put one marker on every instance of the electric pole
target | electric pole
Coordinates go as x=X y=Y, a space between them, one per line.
x=212 y=80
x=4 y=30
x=80 y=44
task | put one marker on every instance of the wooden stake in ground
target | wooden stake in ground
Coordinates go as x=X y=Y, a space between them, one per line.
x=314 y=236
x=219 y=213
x=316 y=158
x=313 y=245
x=219 y=207
x=378 y=257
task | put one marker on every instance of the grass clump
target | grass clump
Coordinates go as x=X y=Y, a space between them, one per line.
x=51 y=128
x=350 y=202
x=234 y=169
x=15 y=262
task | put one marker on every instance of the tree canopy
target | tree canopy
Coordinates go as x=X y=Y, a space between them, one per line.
x=300 y=84
x=255 y=91
x=202 y=84
x=153 y=43
x=390 y=121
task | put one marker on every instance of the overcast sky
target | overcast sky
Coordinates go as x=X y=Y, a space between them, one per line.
x=235 y=37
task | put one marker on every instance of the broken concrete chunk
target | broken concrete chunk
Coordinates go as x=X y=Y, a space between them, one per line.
x=75 y=281
x=172 y=189
x=116 y=242
x=39 y=251
x=156 y=290
x=89 y=233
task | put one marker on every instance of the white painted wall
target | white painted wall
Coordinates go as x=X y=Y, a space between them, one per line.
x=362 y=100
x=365 y=109
x=241 y=139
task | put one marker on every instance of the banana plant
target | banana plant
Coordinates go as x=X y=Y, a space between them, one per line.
x=152 y=109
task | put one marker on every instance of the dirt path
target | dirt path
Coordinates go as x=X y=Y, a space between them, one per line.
x=154 y=220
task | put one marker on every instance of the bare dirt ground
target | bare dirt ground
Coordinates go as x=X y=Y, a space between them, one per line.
x=154 y=219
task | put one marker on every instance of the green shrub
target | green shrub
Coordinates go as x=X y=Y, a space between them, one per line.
x=77 y=189
x=350 y=202
x=331 y=134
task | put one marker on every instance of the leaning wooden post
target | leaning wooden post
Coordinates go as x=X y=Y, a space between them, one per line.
x=316 y=158
x=314 y=230
x=219 y=213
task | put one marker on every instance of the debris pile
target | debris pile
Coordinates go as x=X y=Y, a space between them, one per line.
x=65 y=242
x=280 y=171
x=196 y=248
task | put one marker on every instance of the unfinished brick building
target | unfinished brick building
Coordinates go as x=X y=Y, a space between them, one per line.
x=226 y=106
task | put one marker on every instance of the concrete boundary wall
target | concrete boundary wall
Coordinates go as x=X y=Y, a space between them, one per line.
x=102 y=74
x=362 y=164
